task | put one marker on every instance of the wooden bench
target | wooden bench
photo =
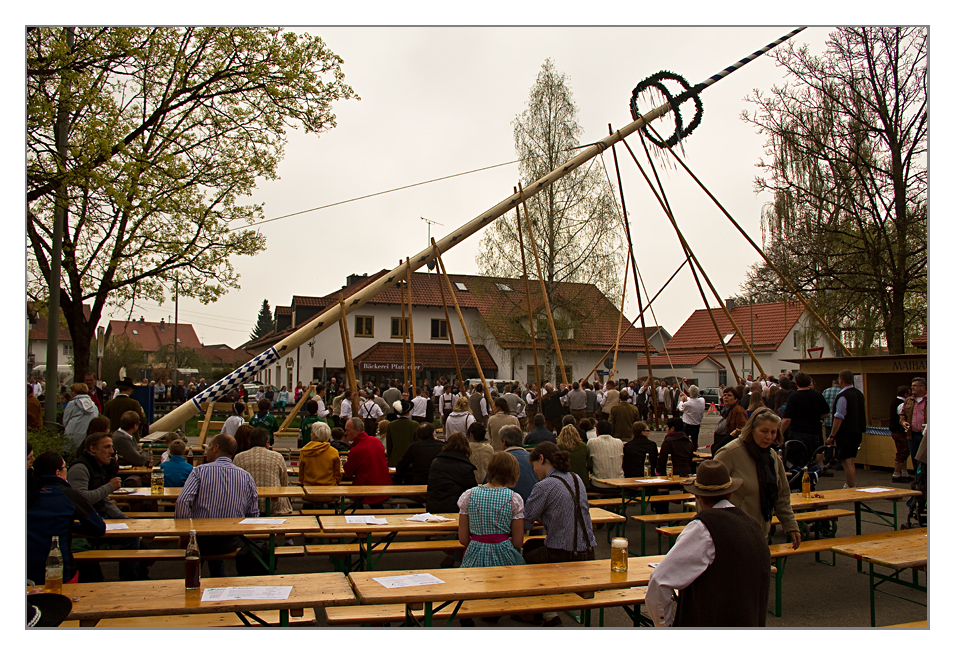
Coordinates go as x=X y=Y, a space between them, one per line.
x=225 y=620
x=341 y=554
x=914 y=624
x=384 y=614
x=168 y=554
x=813 y=517
x=654 y=519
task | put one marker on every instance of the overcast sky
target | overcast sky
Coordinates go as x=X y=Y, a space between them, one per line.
x=438 y=101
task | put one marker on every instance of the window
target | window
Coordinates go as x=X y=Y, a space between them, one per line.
x=729 y=336
x=145 y=357
x=396 y=331
x=439 y=328
x=460 y=286
x=135 y=331
x=532 y=376
x=67 y=349
x=722 y=378
x=795 y=339
x=502 y=286
x=364 y=326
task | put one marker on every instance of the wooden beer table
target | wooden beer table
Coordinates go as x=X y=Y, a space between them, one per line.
x=459 y=585
x=341 y=492
x=630 y=486
x=906 y=551
x=172 y=493
x=860 y=499
x=399 y=524
x=213 y=528
x=104 y=600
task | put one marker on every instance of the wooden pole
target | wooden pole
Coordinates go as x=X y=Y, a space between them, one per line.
x=792 y=287
x=540 y=277
x=633 y=263
x=326 y=319
x=689 y=251
x=623 y=299
x=464 y=327
x=404 y=333
x=527 y=296
x=447 y=318
x=414 y=381
x=637 y=318
x=349 y=362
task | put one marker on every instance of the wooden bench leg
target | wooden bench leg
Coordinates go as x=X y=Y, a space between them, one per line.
x=780 y=569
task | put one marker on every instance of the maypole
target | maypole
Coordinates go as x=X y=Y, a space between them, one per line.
x=331 y=315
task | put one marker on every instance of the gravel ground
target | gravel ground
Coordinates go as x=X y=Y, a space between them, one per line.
x=815 y=595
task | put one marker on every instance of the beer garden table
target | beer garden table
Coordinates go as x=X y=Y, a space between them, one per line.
x=172 y=493
x=103 y=600
x=341 y=492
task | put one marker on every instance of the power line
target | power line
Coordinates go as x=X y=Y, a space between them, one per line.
x=370 y=195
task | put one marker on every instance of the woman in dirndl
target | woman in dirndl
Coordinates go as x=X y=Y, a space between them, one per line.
x=491 y=522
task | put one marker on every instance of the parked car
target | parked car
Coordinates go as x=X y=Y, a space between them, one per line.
x=711 y=395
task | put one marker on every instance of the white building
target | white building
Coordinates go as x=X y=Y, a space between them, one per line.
x=495 y=312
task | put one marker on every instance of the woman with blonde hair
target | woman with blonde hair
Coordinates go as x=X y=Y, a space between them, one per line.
x=570 y=442
x=383 y=431
x=460 y=419
x=319 y=463
x=765 y=489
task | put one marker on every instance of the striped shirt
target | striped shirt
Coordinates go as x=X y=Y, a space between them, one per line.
x=554 y=506
x=218 y=490
x=830 y=396
x=267 y=469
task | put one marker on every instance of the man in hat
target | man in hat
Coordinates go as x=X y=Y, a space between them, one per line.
x=719 y=562
x=401 y=432
x=122 y=403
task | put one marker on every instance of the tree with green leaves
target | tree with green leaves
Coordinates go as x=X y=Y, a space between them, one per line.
x=144 y=142
x=575 y=221
x=264 y=324
x=847 y=170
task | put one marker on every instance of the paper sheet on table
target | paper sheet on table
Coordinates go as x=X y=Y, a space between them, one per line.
x=363 y=519
x=876 y=490
x=246 y=593
x=427 y=517
x=654 y=479
x=265 y=521
x=116 y=526
x=654 y=565
x=413 y=580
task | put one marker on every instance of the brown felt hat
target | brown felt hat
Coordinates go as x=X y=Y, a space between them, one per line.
x=713 y=479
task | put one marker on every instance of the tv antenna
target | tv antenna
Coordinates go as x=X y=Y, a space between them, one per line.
x=430 y=223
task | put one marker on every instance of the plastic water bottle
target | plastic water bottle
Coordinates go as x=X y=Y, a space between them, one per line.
x=54 y=569
x=158 y=481
x=193 y=563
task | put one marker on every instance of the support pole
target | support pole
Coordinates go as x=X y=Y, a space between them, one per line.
x=404 y=332
x=527 y=296
x=636 y=284
x=540 y=277
x=447 y=318
x=414 y=382
x=464 y=327
x=346 y=344
x=623 y=300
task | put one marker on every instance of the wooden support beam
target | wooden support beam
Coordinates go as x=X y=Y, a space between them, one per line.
x=527 y=295
x=414 y=381
x=447 y=321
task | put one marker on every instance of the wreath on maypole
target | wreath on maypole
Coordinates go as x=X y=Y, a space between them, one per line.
x=656 y=81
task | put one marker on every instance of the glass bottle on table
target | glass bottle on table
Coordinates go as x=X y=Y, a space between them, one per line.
x=54 y=569
x=806 y=483
x=193 y=563
x=669 y=468
x=646 y=466
x=158 y=481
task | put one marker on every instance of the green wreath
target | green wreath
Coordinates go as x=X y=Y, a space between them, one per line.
x=656 y=81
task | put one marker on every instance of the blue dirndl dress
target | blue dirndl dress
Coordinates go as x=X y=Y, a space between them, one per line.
x=490 y=513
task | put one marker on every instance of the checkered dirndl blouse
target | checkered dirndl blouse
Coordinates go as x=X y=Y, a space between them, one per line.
x=490 y=511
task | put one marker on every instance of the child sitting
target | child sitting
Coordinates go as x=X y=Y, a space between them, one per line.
x=176 y=469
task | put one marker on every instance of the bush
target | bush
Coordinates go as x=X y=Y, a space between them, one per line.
x=46 y=439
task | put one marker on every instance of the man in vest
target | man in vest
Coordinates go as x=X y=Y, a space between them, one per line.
x=719 y=563
x=848 y=425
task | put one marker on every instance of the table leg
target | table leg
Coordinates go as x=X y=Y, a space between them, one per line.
x=272 y=555
x=268 y=507
x=871 y=591
x=428 y=614
x=283 y=618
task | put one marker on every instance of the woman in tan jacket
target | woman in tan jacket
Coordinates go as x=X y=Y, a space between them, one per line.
x=765 y=489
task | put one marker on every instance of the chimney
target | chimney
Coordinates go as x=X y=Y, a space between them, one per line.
x=142 y=321
x=730 y=304
x=162 y=325
x=354 y=277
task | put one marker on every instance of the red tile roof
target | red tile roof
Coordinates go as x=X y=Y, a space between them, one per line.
x=150 y=338
x=685 y=359
x=921 y=341
x=39 y=332
x=430 y=356
x=283 y=311
x=771 y=322
x=225 y=355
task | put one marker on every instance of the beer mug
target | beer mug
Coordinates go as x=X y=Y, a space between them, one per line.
x=619 y=552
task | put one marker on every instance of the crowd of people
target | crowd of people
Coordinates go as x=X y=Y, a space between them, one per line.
x=504 y=465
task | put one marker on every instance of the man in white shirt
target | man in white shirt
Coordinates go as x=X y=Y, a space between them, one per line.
x=605 y=455
x=719 y=563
